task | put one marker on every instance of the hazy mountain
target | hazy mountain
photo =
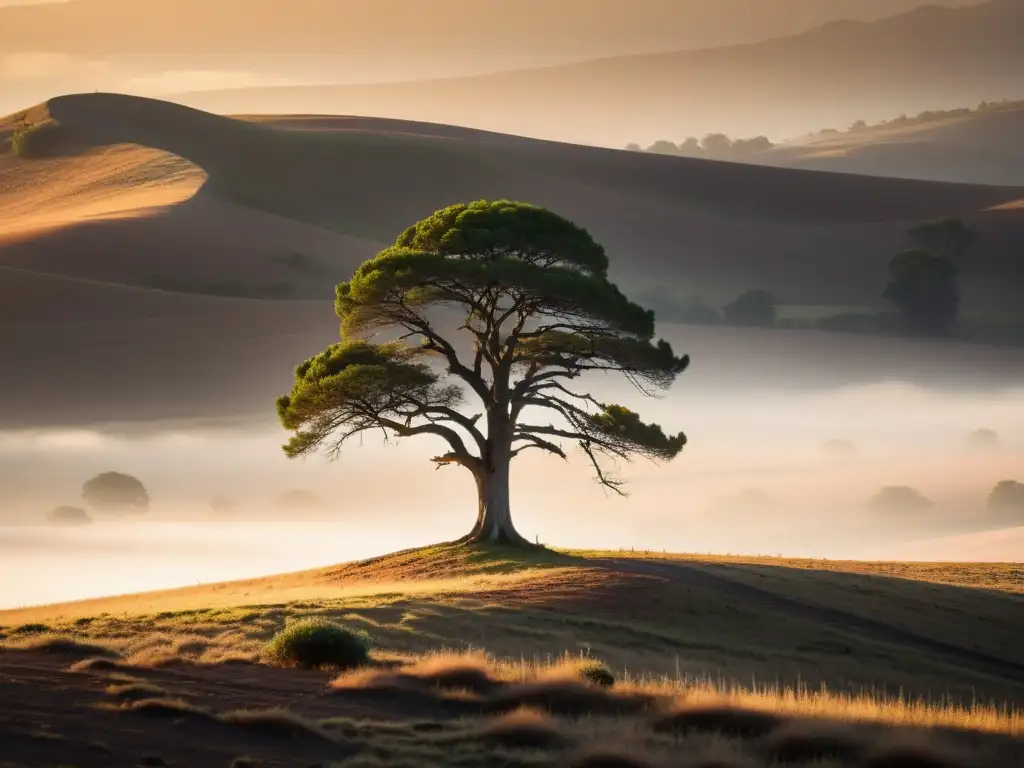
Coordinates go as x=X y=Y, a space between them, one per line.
x=929 y=58
x=162 y=46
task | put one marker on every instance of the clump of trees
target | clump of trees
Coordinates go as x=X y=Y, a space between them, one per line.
x=752 y=308
x=899 y=498
x=1007 y=497
x=69 y=516
x=515 y=304
x=925 y=291
x=116 y=492
x=714 y=146
x=948 y=238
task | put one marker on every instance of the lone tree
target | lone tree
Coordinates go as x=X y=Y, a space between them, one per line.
x=924 y=289
x=530 y=309
x=116 y=492
x=1007 y=496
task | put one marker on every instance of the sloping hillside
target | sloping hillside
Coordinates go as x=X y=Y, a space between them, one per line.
x=982 y=147
x=138 y=206
x=714 y=228
x=928 y=58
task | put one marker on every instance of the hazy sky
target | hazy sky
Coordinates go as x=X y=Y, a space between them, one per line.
x=167 y=46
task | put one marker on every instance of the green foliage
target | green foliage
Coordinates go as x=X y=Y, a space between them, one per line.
x=34 y=140
x=317 y=642
x=116 y=492
x=363 y=385
x=622 y=426
x=755 y=307
x=20 y=139
x=924 y=288
x=526 y=293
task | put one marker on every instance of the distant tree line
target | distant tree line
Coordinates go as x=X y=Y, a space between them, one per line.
x=923 y=289
x=714 y=146
x=718 y=146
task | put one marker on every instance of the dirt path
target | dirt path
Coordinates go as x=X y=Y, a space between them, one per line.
x=839 y=619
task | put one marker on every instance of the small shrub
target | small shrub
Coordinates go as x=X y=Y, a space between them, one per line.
x=319 y=643
x=33 y=140
x=69 y=516
x=30 y=629
x=597 y=673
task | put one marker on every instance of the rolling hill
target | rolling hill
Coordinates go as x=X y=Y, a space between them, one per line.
x=702 y=661
x=927 y=58
x=139 y=207
x=981 y=147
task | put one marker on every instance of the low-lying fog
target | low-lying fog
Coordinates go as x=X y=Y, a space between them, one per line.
x=764 y=474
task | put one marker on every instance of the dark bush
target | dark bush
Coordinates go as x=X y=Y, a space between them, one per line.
x=319 y=643
x=116 y=492
x=69 y=516
x=1007 y=496
x=597 y=673
x=900 y=498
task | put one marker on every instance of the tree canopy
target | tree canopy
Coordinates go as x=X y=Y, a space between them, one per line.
x=924 y=288
x=515 y=304
x=948 y=238
x=116 y=492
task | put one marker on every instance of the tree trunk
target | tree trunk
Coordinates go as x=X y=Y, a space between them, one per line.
x=494 y=513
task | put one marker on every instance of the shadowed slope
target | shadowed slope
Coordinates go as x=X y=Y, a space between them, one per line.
x=982 y=146
x=717 y=227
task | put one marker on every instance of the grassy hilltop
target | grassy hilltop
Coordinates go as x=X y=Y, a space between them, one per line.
x=485 y=658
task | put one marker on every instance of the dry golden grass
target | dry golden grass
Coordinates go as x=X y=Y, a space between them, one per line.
x=1003 y=577
x=476 y=644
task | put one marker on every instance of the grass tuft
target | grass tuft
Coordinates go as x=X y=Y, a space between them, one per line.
x=567 y=697
x=167 y=707
x=136 y=691
x=96 y=664
x=464 y=672
x=810 y=742
x=723 y=720
x=62 y=644
x=312 y=643
x=280 y=723
x=522 y=729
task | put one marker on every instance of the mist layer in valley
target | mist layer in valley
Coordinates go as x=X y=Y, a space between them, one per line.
x=769 y=470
